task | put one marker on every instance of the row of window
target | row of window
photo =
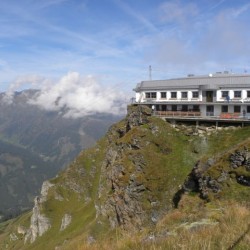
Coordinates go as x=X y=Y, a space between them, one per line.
x=237 y=109
x=224 y=108
x=237 y=94
x=173 y=95
x=195 y=94
x=195 y=108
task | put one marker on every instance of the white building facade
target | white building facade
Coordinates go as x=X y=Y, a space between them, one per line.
x=223 y=95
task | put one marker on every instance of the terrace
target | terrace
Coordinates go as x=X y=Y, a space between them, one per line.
x=195 y=117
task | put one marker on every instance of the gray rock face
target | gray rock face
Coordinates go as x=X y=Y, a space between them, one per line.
x=123 y=206
x=207 y=184
x=21 y=230
x=66 y=220
x=239 y=158
x=13 y=237
x=137 y=116
x=44 y=190
x=39 y=223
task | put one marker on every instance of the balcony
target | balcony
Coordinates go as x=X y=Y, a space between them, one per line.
x=231 y=116
x=177 y=113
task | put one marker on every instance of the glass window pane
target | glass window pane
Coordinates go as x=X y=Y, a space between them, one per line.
x=173 y=94
x=224 y=94
x=237 y=94
x=184 y=95
x=195 y=94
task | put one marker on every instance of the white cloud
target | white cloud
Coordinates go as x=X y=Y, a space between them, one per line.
x=217 y=4
x=47 y=3
x=135 y=14
x=175 y=12
x=76 y=96
x=215 y=43
x=241 y=10
x=32 y=81
x=22 y=82
x=225 y=38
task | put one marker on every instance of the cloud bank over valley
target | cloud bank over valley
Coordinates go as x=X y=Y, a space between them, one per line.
x=73 y=96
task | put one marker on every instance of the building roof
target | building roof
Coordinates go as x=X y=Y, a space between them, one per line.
x=211 y=81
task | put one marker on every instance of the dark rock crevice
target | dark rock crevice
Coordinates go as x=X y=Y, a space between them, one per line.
x=209 y=180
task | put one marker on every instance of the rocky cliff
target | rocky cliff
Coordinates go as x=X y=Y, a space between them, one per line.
x=135 y=176
x=217 y=176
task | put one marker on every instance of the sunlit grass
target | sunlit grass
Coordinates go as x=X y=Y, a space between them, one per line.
x=220 y=232
x=168 y=158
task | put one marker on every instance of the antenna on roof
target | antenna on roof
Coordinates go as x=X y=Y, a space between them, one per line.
x=150 y=72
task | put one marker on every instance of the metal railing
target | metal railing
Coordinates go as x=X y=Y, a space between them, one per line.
x=177 y=113
x=209 y=113
x=197 y=114
x=231 y=116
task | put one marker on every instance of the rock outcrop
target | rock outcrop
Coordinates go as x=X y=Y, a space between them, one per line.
x=66 y=220
x=212 y=177
x=39 y=223
x=130 y=175
x=124 y=206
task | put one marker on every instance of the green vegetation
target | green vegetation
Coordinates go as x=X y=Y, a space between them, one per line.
x=44 y=142
x=144 y=167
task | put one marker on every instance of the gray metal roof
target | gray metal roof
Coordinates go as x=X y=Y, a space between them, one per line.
x=214 y=81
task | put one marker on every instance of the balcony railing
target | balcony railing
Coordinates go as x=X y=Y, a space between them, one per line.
x=178 y=113
x=211 y=113
x=197 y=114
x=231 y=116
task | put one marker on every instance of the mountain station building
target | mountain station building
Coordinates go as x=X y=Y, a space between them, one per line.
x=219 y=97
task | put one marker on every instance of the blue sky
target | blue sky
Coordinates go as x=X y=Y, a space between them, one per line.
x=115 y=41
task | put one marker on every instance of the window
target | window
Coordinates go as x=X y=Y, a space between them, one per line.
x=174 y=107
x=236 y=109
x=184 y=95
x=237 y=94
x=210 y=110
x=184 y=108
x=224 y=94
x=164 y=107
x=248 y=94
x=224 y=109
x=163 y=95
x=248 y=109
x=151 y=95
x=196 y=107
x=174 y=95
x=195 y=94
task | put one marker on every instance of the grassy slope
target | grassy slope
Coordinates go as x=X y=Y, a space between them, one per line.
x=169 y=156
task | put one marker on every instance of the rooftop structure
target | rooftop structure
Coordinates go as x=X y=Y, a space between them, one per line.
x=219 y=96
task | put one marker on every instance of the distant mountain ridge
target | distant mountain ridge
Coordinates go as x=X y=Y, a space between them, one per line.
x=49 y=139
